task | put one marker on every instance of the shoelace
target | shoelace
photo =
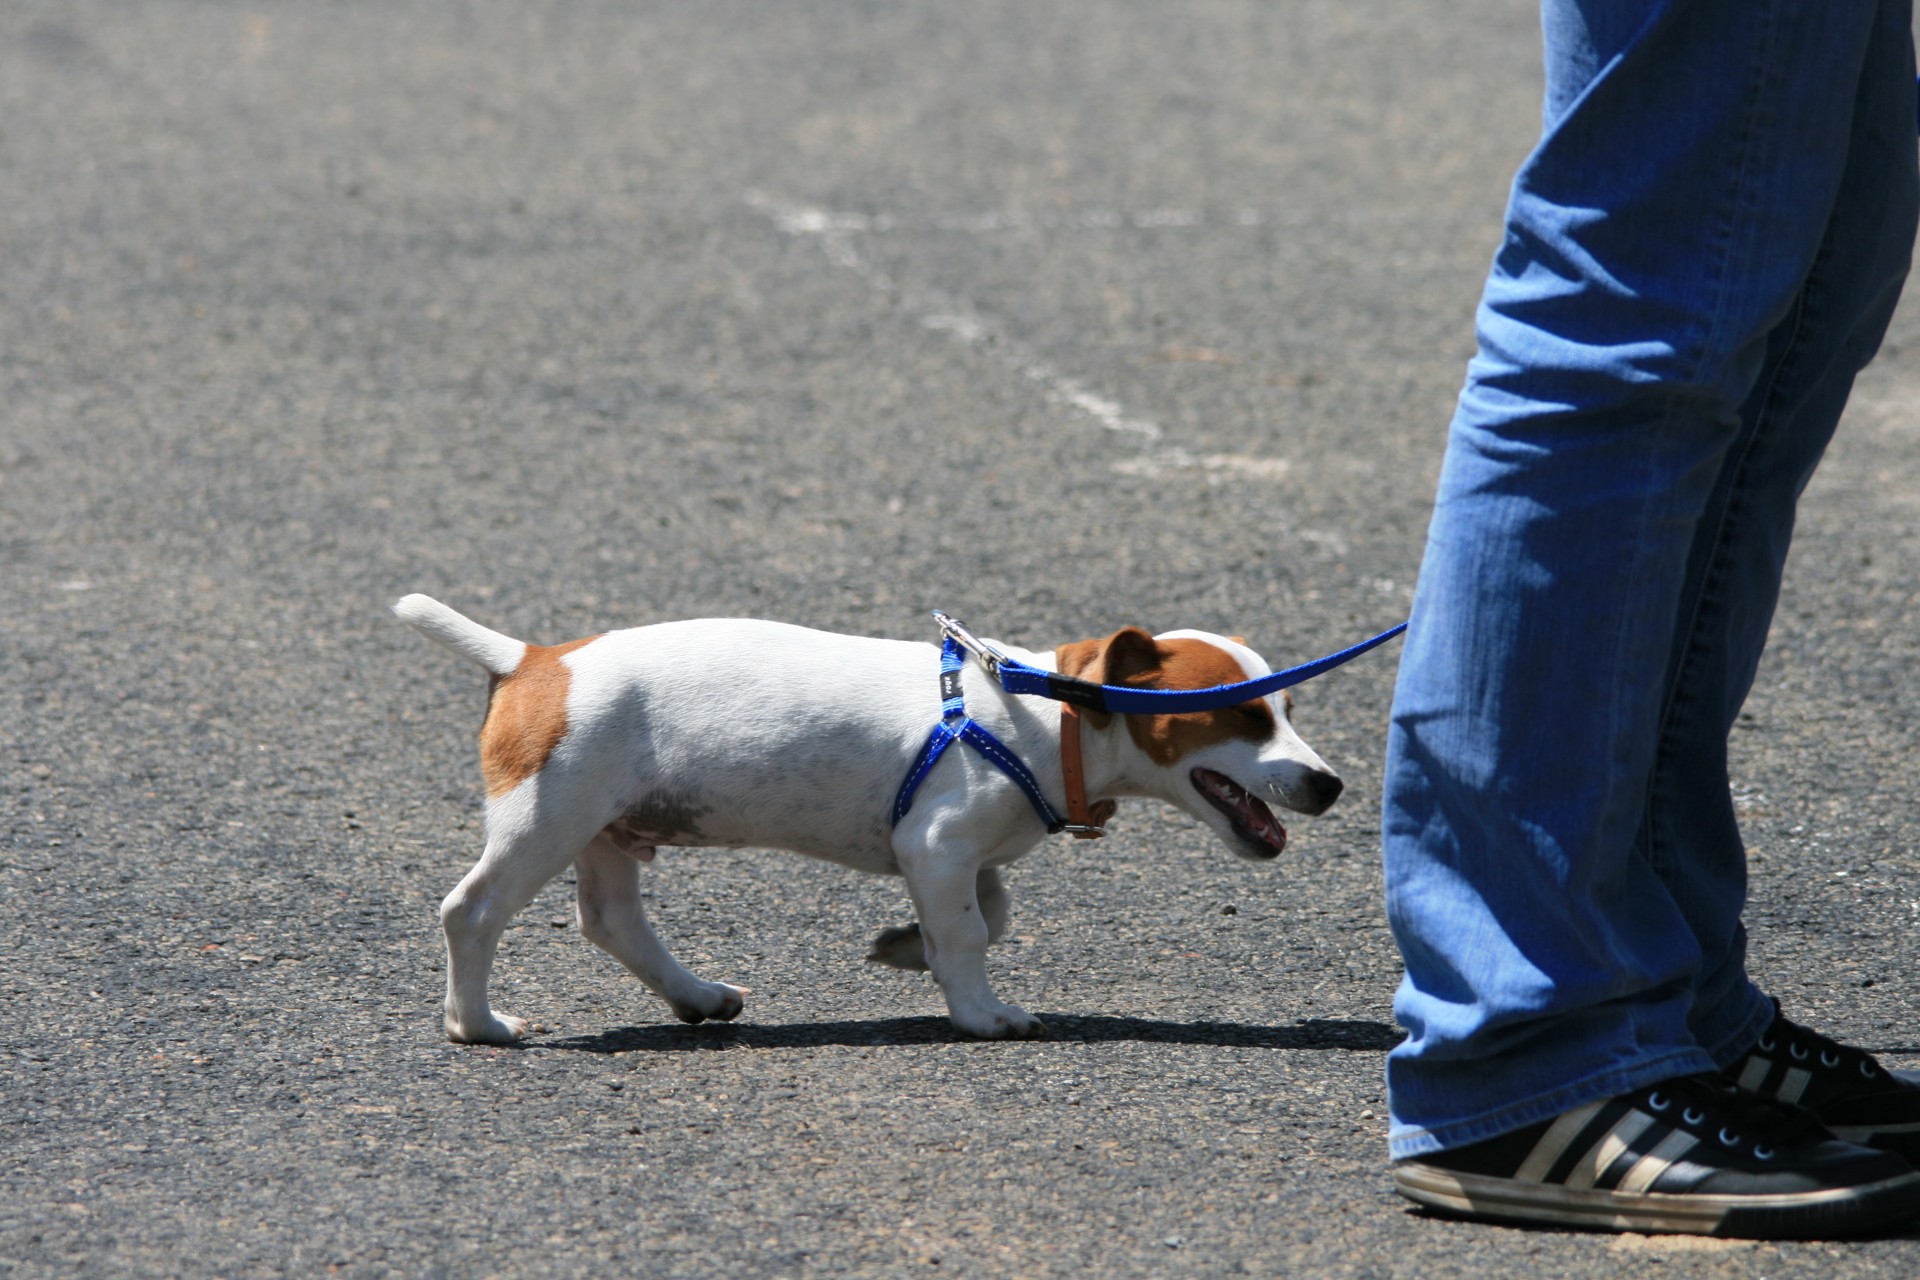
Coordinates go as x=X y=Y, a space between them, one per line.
x=1709 y=1105
x=1805 y=1046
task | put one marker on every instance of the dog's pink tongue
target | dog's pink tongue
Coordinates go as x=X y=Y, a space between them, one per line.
x=1262 y=823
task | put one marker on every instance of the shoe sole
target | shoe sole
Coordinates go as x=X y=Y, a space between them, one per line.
x=1806 y=1215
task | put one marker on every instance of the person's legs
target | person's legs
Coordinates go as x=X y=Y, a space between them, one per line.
x=1690 y=835
x=1665 y=226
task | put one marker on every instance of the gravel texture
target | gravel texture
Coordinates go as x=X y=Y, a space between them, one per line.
x=1058 y=317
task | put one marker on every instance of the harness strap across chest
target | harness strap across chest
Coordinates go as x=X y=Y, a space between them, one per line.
x=956 y=725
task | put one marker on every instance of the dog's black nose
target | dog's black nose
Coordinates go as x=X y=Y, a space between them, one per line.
x=1322 y=790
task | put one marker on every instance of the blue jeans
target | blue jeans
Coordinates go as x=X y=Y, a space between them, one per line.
x=1701 y=253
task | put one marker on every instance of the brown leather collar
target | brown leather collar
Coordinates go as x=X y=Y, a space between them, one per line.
x=1084 y=820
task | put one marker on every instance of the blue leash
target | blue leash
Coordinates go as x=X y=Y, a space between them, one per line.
x=1019 y=678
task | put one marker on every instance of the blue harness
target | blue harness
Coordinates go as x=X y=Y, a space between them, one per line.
x=1019 y=678
x=957 y=726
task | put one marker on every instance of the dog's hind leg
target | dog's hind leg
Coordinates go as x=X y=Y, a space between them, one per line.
x=900 y=946
x=522 y=854
x=612 y=918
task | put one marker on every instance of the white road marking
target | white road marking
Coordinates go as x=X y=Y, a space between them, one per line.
x=948 y=315
x=806 y=220
x=835 y=232
x=1162 y=461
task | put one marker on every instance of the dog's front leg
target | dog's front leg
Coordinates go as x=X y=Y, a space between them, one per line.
x=612 y=918
x=954 y=933
x=901 y=947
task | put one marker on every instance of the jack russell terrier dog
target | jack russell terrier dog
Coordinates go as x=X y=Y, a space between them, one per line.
x=729 y=732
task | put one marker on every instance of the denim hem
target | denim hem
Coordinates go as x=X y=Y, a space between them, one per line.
x=1734 y=1046
x=1605 y=1084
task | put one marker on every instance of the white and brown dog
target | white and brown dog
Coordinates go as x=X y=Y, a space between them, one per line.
x=731 y=732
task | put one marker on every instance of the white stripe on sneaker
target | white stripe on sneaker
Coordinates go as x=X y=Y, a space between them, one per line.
x=1794 y=1085
x=1657 y=1161
x=1554 y=1142
x=1612 y=1145
x=1755 y=1073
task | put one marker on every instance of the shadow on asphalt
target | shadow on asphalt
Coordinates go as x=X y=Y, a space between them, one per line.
x=1312 y=1033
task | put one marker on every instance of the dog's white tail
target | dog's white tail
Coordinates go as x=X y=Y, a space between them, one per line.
x=497 y=653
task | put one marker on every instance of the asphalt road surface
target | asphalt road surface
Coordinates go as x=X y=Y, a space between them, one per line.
x=1059 y=317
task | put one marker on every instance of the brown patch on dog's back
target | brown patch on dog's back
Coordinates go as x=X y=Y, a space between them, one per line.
x=1132 y=657
x=526 y=716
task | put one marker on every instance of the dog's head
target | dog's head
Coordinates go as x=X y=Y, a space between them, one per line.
x=1224 y=766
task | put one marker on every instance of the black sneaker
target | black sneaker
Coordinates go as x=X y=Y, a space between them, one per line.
x=1690 y=1155
x=1846 y=1089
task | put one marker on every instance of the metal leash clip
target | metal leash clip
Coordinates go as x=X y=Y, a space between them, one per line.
x=957 y=631
x=1017 y=677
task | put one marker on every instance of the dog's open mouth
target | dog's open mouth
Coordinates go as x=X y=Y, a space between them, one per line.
x=1252 y=821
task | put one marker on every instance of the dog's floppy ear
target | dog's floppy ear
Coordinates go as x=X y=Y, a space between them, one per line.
x=1132 y=657
x=1128 y=656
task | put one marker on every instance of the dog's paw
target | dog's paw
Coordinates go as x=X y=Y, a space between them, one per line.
x=715 y=1000
x=496 y=1029
x=1008 y=1022
x=899 y=948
